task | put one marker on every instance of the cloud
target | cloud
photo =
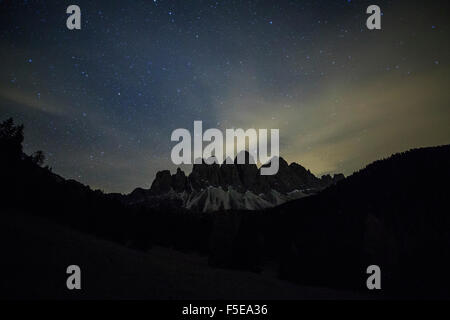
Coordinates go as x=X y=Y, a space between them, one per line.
x=348 y=125
x=26 y=100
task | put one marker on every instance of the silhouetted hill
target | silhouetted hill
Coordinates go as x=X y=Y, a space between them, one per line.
x=394 y=213
x=36 y=190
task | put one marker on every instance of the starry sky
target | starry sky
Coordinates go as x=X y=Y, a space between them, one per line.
x=102 y=102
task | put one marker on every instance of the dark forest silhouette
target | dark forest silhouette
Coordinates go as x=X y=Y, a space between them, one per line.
x=393 y=213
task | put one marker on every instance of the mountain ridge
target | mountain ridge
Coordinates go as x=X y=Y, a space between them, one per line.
x=213 y=187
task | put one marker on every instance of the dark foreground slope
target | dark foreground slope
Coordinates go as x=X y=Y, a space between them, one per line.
x=34 y=267
x=394 y=213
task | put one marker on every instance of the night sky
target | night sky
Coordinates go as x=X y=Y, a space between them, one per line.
x=101 y=102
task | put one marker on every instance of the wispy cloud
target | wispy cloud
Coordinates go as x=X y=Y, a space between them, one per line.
x=346 y=126
x=35 y=102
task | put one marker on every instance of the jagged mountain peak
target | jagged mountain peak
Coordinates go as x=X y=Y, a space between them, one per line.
x=242 y=182
x=246 y=156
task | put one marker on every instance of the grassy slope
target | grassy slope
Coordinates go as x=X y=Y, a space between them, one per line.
x=35 y=268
